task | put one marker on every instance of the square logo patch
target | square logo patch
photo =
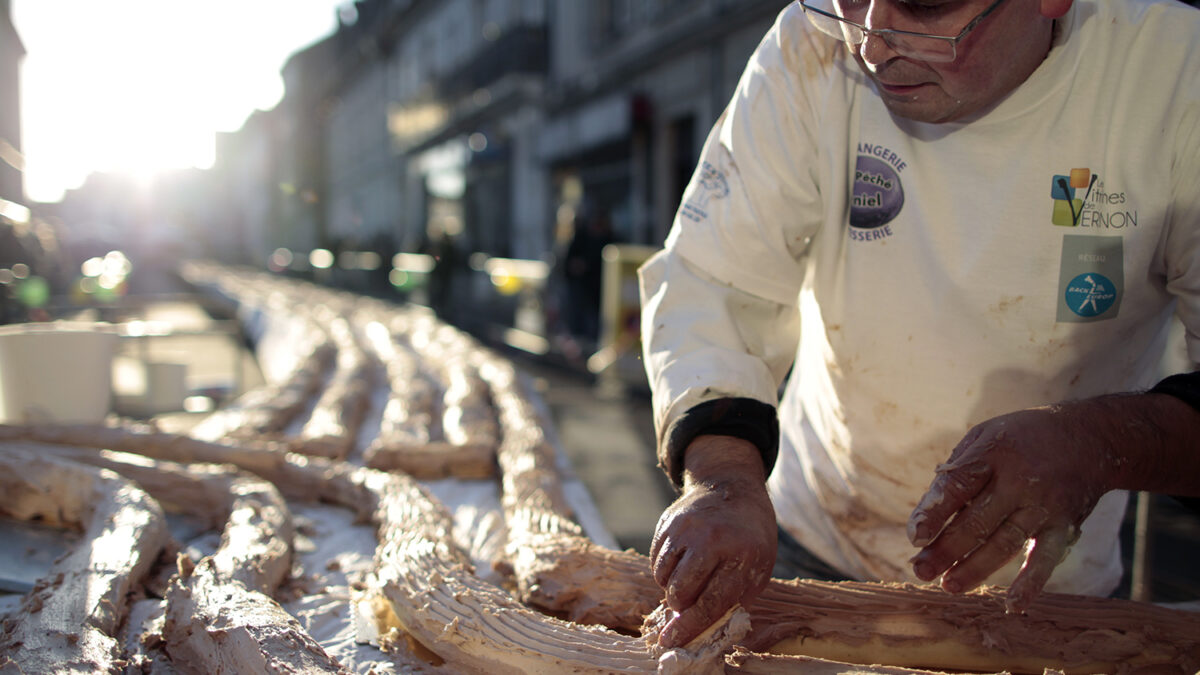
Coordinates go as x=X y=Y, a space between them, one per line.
x=1091 y=280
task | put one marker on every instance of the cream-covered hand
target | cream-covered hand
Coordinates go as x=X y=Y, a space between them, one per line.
x=714 y=546
x=1022 y=482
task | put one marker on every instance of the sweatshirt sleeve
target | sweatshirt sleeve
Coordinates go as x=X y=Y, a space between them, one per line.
x=1183 y=242
x=705 y=342
x=720 y=323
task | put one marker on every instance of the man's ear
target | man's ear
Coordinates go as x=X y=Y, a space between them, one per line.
x=1054 y=9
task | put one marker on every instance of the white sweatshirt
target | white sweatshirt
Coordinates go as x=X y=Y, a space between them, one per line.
x=918 y=279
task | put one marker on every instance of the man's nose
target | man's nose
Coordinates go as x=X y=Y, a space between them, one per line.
x=875 y=51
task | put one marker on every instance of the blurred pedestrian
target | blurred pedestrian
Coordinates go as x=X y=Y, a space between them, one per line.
x=443 y=248
x=583 y=268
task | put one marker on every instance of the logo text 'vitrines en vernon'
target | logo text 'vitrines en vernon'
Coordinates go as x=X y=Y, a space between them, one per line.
x=1081 y=200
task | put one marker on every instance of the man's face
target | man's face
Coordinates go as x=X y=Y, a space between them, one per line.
x=996 y=57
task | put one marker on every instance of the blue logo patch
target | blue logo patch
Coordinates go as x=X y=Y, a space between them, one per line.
x=878 y=194
x=711 y=185
x=1090 y=295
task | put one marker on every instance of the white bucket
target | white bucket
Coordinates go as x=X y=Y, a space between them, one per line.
x=145 y=389
x=166 y=386
x=56 y=372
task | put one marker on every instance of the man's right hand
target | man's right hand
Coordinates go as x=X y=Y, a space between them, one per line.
x=715 y=546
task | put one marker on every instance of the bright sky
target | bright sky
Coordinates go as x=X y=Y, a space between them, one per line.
x=140 y=85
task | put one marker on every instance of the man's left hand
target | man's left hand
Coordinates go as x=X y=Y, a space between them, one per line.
x=1022 y=481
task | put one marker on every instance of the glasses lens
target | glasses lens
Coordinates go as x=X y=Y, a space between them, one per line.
x=835 y=22
x=820 y=14
x=920 y=47
x=828 y=19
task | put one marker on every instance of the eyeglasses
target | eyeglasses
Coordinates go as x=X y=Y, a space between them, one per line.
x=920 y=46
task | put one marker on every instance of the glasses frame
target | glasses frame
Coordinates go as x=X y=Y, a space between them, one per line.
x=889 y=35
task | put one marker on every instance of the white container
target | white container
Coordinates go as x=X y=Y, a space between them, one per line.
x=146 y=389
x=56 y=372
x=166 y=386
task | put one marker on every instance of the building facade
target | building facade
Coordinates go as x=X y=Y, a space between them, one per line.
x=477 y=130
x=12 y=186
x=480 y=120
x=482 y=129
x=636 y=85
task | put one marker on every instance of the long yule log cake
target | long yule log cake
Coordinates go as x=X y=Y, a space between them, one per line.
x=473 y=625
x=219 y=614
x=406 y=422
x=529 y=473
x=908 y=625
x=217 y=625
x=468 y=418
x=144 y=439
x=927 y=627
x=69 y=621
x=743 y=661
x=407 y=440
x=470 y=625
x=266 y=412
x=334 y=423
x=542 y=532
x=568 y=575
x=255 y=522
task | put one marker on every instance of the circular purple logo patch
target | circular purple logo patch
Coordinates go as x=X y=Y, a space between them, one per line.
x=878 y=195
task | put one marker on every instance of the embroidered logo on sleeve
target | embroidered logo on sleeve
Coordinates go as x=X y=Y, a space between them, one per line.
x=711 y=184
x=1091 y=278
x=878 y=194
x=1081 y=200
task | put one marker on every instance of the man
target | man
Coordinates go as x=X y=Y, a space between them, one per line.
x=583 y=267
x=941 y=217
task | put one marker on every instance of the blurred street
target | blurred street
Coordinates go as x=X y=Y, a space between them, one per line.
x=606 y=431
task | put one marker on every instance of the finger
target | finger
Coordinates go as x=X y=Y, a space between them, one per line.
x=970 y=528
x=662 y=534
x=953 y=488
x=967 y=442
x=1005 y=543
x=1048 y=550
x=759 y=575
x=666 y=558
x=688 y=580
x=659 y=540
x=719 y=595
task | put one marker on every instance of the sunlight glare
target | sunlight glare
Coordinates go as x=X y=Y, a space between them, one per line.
x=139 y=86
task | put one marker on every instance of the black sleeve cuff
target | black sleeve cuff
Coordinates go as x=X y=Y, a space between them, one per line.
x=1184 y=386
x=1190 y=503
x=744 y=418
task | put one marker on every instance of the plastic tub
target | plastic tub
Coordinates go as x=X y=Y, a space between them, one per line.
x=56 y=372
x=166 y=387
